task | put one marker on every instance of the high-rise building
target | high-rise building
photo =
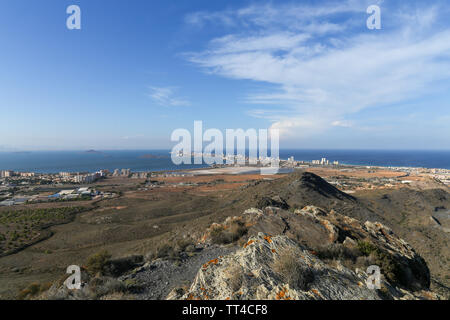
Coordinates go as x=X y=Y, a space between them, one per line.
x=125 y=172
x=6 y=173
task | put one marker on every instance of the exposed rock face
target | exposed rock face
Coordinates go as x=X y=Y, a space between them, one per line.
x=315 y=228
x=279 y=261
x=253 y=266
x=119 y=266
x=276 y=201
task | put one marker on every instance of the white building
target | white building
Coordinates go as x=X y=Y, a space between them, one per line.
x=6 y=173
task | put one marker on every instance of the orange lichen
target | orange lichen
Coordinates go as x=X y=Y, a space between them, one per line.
x=282 y=295
x=385 y=233
x=213 y=261
x=192 y=297
x=248 y=243
x=268 y=239
x=316 y=293
x=273 y=250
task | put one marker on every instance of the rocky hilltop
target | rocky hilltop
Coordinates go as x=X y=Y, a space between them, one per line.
x=310 y=254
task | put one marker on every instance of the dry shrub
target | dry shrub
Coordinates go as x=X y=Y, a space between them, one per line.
x=337 y=252
x=231 y=232
x=168 y=251
x=164 y=250
x=33 y=290
x=235 y=277
x=288 y=266
x=103 y=286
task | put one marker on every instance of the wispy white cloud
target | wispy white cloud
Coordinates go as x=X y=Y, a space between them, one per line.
x=298 y=17
x=321 y=80
x=166 y=96
x=135 y=136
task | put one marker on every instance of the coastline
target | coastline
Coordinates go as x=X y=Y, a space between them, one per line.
x=52 y=162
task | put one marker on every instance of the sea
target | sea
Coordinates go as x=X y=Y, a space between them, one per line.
x=160 y=160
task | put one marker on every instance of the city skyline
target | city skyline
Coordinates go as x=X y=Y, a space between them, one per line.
x=134 y=73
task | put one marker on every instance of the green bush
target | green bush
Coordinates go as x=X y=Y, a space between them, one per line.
x=390 y=267
x=97 y=262
x=366 y=247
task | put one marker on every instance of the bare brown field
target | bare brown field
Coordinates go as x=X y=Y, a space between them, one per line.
x=356 y=173
x=134 y=223
x=212 y=178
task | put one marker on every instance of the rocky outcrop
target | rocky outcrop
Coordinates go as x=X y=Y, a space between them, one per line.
x=249 y=274
x=311 y=254
x=275 y=201
x=316 y=229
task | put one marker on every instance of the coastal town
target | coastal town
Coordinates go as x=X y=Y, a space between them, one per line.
x=18 y=188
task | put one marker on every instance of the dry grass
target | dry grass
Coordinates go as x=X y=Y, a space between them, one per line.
x=33 y=290
x=292 y=271
x=235 y=277
x=228 y=233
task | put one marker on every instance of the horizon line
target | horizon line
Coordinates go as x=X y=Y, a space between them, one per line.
x=168 y=149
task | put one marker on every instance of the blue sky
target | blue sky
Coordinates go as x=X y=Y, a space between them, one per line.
x=139 y=69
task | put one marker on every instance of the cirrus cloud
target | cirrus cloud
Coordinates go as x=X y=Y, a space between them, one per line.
x=322 y=65
x=166 y=96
